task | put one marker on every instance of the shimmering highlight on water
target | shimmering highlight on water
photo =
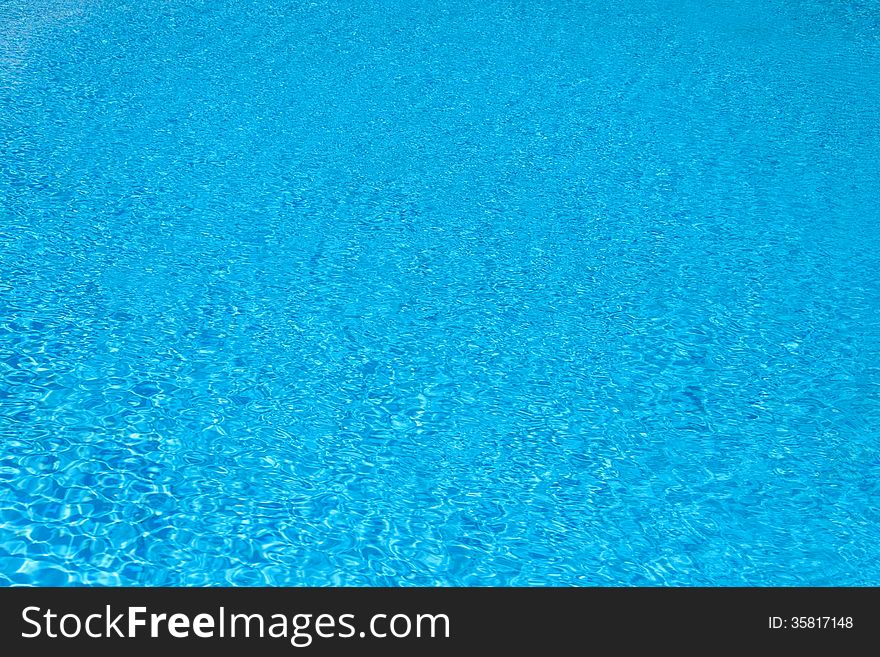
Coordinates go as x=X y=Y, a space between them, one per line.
x=454 y=292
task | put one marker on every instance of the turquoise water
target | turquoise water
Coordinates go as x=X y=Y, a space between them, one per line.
x=447 y=293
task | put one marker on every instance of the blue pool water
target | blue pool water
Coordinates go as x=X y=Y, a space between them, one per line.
x=352 y=292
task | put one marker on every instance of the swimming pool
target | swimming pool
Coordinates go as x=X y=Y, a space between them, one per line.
x=449 y=293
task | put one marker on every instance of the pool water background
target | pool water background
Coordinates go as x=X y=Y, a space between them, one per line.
x=453 y=293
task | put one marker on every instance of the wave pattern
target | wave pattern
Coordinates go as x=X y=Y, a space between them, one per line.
x=452 y=293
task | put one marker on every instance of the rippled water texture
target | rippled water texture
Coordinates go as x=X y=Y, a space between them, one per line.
x=453 y=292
